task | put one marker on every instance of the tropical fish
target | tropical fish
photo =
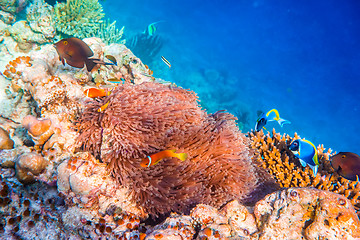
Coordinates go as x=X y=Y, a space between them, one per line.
x=150 y=30
x=157 y=157
x=111 y=59
x=272 y=115
x=116 y=80
x=96 y=92
x=347 y=165
x=306 y=152
x=103 y=107
x=77 y=53
x=166 y=61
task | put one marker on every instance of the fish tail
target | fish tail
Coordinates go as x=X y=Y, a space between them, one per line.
x=182 y=156
x=282 y=121
x=90 y=64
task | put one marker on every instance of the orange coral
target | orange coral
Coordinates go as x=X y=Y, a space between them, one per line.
x=143 y=119
x=279 y=161
x=5 y=140
x=39 y=129
x=14 y=68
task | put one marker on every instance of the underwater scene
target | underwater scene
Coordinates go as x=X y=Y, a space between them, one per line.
x=179 y=119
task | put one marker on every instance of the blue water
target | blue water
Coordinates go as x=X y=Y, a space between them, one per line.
x=300 y=57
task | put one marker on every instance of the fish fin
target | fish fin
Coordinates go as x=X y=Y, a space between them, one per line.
x=182 y=156
x=282 y=121
x=302 y=162
x=90 y=64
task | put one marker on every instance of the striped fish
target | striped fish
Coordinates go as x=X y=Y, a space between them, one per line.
x=166 y=61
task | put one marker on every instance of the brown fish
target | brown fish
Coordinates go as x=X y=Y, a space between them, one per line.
x=77 y=53
x=347 y=165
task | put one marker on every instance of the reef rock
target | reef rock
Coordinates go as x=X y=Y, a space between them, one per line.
x=306 y=213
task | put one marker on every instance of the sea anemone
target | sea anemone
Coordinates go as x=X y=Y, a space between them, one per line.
x=150 y=117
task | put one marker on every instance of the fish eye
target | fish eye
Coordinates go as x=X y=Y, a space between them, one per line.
x=295 y=143
x=343 y=156
x=134 y=61
x=65 y=42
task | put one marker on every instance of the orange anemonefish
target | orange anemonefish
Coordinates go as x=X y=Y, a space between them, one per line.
x=96 y=92
x=77 y=53
x=157 y=157
x=103 y=107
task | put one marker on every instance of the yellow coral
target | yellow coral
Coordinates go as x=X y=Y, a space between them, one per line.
x=279 y=161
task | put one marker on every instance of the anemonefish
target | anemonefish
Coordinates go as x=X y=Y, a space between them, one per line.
x=103 y=107
x=306 y=152
x=77 y=53
x=272 y=115
x=96 y=92
x=157 y=157
x=347 y=165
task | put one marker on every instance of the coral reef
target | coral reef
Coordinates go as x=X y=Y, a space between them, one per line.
x=49 y=188
x=40 y=17
x=29 y=165
x=150 y=117
x=78 y=18
x=294 y=213
x=5 y=141
x=109 y=33
x=306 y=213
x=279 y=161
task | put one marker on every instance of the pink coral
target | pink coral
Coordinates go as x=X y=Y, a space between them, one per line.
x=150 y=117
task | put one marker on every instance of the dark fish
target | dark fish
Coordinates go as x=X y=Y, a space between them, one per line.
x=77 y=53
x=347 y=165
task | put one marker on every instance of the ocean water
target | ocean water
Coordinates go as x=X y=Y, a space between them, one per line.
x=300 y=57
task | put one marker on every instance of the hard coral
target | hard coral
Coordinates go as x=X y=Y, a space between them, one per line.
x=14 y=68
x=39 y=129
x=40 y=16
x=150 y=117
x=279 y=161
x=5 y=140
x=306 y=213
x=79 y=18
x=29 y=165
